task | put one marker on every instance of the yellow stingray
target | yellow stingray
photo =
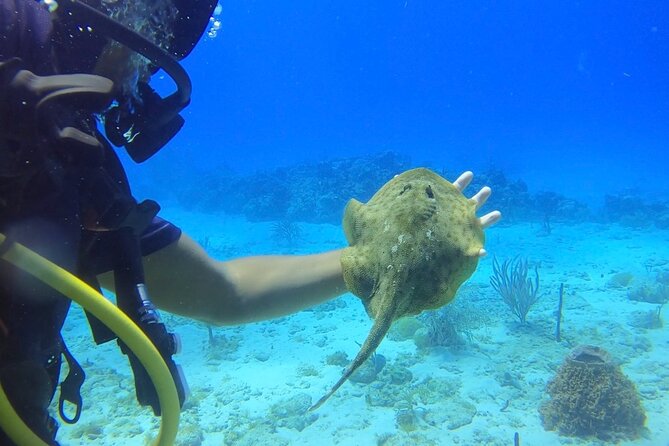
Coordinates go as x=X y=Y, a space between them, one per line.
x=411 y=247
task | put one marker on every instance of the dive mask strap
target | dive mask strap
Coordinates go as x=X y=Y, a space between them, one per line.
x=153 y=120
x=138 y=43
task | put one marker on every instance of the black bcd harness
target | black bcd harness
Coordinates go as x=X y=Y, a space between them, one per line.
x=102 y=218
x=64 y=194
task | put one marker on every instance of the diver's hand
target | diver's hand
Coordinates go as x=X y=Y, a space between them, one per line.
x=480 y=198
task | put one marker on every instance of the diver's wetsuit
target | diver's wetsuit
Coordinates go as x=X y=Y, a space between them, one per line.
x=42 y=207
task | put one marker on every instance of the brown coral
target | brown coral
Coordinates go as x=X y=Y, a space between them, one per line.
x=590 y=396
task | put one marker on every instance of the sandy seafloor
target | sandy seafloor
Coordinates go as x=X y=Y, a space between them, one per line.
x=238 y=384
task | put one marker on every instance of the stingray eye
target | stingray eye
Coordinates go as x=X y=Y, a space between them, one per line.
x=428 y=192
x=405 y=188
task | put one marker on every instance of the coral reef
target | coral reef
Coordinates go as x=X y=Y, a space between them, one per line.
x=650 y=292
x=243 y=429
x=631 y=210
x=453 y=326
x=511 y=281
x=404 y=328
x=221 y=346
x=620 y=280
x=368 y=371
x=317 y=192
x=190 y=434
x=407 y=420
x=519 y=204
x=365 y=374
x=647 y=320
x=590 y=396
x=443 y=328
x=286 y=232
x=550 y=206
x=339 y=358
x=292 y=412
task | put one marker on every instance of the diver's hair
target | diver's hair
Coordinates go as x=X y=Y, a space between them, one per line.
x=153 y=19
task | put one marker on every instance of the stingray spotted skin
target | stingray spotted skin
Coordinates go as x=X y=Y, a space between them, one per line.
x=411 y=247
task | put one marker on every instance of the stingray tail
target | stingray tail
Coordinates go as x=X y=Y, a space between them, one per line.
x=374 y=338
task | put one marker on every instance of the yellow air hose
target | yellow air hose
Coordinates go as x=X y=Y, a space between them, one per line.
x=80 y=292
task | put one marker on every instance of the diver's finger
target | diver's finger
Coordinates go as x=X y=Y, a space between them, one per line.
x=482 y=196
x=490 y=219
x=463 y=180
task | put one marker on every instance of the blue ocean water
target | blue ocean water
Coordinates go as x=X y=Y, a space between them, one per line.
x=298 y=106
x=569 y=96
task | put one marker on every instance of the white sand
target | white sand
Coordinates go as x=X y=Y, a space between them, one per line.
x=235 y=384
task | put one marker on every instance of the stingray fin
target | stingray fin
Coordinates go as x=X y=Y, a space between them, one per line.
x=352 y=220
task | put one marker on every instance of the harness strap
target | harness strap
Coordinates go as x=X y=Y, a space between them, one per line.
x=70 y=388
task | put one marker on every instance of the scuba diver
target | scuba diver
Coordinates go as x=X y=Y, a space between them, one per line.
x=74 y=80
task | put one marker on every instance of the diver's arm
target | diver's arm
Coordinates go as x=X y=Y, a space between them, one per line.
x=183 y=279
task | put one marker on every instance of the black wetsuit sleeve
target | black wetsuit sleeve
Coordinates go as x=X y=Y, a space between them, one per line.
x=159 y=234
x=25 y=32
